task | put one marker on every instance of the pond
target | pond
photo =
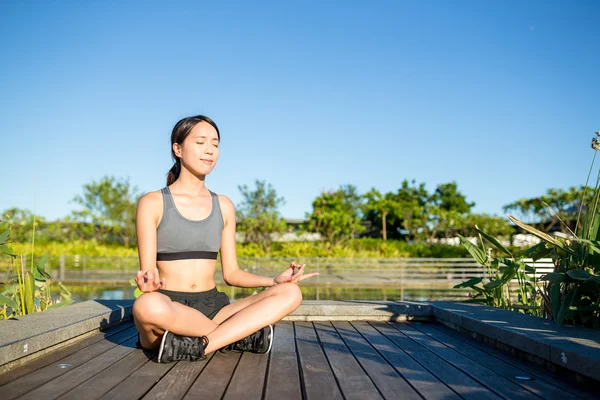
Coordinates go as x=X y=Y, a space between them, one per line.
x=103 y=292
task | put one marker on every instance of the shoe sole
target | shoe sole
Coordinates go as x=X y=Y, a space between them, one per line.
x=270 y=339
x=162 y=345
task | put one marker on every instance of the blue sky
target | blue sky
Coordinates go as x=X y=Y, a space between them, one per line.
x=500 y=96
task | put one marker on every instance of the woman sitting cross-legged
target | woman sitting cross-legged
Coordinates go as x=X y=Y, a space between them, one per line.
x=180 y=229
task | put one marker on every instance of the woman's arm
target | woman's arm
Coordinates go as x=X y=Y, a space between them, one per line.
x=232 y=274
x=146 y=221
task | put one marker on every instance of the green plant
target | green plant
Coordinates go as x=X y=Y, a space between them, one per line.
x=571 y=293
x=30 y=290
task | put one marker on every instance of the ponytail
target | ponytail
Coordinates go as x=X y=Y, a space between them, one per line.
x=174 y=173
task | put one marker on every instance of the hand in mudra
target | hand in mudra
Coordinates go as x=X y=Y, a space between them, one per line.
x=294 y=274
x=149 y=280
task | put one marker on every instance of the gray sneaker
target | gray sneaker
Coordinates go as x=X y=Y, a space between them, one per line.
x=176 y=348
x=259 y=342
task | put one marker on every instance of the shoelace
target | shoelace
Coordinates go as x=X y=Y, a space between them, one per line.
x=187 y=348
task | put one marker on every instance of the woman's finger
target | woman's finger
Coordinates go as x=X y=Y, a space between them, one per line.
x=156 y=278
x=308 y=276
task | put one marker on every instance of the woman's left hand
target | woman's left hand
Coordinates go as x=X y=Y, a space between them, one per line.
x=294 y=274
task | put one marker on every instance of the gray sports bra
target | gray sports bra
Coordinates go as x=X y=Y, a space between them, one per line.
x=179 y=238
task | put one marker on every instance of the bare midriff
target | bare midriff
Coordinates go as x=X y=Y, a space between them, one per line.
x=188 y=275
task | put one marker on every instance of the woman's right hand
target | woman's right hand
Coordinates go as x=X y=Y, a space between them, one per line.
x=149 y=280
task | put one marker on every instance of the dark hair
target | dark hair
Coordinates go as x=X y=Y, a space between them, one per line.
x=181 y=130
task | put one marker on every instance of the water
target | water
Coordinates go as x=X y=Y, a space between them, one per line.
x=103 y=292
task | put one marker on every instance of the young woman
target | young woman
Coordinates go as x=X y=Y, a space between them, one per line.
x=180 y=230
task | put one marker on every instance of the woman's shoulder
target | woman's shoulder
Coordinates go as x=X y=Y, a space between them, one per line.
x=151 y=200
x=225 y=203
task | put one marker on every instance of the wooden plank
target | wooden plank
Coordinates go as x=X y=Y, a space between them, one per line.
x=65 y=365
x=248 y=378
x=458 y=381
x=353 y=380
x=175 y=384
x=485 y=376
x=69 y=380
x=101 y=383
x=388 y=381
x=56 y=355
x=140 y=382
x=283 y=378
x=213 y=379
x=421 y=379
x=317 y=377
x=529 y=367
x=538 y=386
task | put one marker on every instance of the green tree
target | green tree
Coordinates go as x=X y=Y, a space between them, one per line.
x=110 y=203
x=564 y=205
x=258 y=216
x=379 y=206
x=336 y=216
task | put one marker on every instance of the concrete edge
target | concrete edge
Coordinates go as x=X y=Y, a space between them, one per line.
x=506 y=338
x=40 y=338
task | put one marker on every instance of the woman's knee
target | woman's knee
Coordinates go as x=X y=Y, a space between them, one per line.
x=151 y=307
x=292 y=293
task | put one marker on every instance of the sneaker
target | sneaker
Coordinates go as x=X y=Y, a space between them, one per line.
x=259 y=342
x=176 y=348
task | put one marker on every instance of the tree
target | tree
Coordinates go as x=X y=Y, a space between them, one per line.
x=258 y=216
x=21 y=223
x=337 y=215
x=379 y=206
x=564 y=205
x=110 y=203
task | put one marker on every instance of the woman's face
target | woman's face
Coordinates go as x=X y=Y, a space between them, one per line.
x=200 y=149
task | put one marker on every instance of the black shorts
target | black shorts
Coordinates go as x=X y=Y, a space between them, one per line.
x=208 y=303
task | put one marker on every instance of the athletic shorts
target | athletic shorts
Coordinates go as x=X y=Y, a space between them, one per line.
x=208 y=303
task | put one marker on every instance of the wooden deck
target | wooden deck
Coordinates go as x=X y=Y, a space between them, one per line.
x=310 y=360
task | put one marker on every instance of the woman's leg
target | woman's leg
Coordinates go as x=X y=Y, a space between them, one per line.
x=154 y=313
x=240 y=319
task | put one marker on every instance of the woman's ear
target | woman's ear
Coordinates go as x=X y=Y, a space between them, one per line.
x=177 y=149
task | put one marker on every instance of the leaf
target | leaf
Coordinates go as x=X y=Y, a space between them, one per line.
x=593 y=245
x=544 y=236
x=494 y=284
x=41 y=265
x=60 y=304
x=469 y=283
x=475 y=251
x=538 y=251
x=29 y=293
x=554 y=277
x=64 y=289
x=137 y=293
x=39 y=272
x=564 y=308
x=555 y=299
x=580 y=274
x=493 y=241
x=9 y=302
x=7 y=250
x=4 y=236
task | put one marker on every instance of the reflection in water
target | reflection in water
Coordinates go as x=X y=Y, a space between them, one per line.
x=101 y=292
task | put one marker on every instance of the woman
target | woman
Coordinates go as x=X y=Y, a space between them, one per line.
x=180 y=230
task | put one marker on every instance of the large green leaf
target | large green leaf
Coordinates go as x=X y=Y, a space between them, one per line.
x=538 y=251
x=39 y=272
x=593 y=232
x=544 y=236
x=469 y=283
x=592 y=244
x=580 y=274
x=4 y=236
x=564 y=307
x=475 y=251
x=494 y=284
x=4 y=300
x=7 y=250
x=554 y=277
x=29 y=293
x=495 y=242
x=555 y=299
